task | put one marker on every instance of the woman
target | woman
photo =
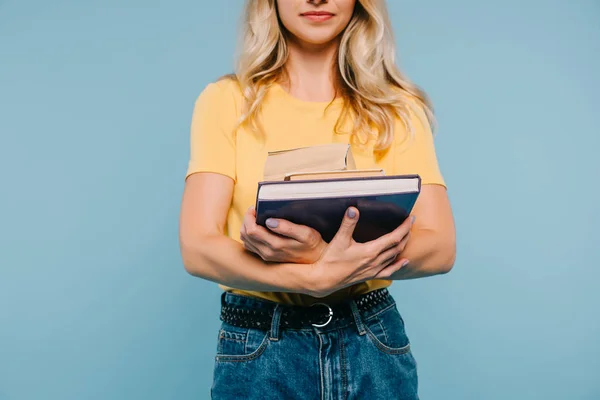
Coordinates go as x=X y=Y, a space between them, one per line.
x=301 y=318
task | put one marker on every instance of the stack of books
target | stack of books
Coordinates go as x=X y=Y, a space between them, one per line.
x=314 y=186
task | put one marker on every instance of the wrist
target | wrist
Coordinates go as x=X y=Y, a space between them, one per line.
x=297 y=277
x=316 y=282
x=321 y=249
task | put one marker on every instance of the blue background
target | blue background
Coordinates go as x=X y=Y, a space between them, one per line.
x=95 y=104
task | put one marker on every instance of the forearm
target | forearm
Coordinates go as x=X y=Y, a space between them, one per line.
x=222 y=260
x=429 y=253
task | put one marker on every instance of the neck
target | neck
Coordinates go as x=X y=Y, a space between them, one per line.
x=311 y=71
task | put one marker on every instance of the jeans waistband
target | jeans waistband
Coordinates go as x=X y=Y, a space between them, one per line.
x=252 y=312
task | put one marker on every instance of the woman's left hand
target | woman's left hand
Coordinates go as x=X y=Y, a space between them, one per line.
x=283 y=241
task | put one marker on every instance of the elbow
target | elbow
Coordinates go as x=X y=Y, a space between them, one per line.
x=192 y=257
x=190 y=264
x=446 y=267
x=436 y=255
x=447 y=257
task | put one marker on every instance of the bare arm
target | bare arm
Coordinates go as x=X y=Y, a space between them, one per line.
x=209 y=254
x=431 y=248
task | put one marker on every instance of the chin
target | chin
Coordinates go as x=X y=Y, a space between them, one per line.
x=318 y=41
x=317 y=38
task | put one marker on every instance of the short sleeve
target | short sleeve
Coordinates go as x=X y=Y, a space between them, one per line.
x=417 y=154
x=212 y=142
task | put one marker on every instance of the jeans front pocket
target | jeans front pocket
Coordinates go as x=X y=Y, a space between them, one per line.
x=387 y=332
x=240 y=344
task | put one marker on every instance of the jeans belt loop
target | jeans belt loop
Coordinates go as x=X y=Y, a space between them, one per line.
x=357 y=318
x=274 y=336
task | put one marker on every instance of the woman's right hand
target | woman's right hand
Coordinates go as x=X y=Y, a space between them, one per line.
x=344 y=262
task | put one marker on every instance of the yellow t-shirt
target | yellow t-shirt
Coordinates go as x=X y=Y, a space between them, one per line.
x=289 y=122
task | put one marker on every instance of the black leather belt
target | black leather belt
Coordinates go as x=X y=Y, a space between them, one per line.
x=297 y=317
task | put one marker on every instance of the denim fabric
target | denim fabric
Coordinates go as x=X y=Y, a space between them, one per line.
x=366 y=356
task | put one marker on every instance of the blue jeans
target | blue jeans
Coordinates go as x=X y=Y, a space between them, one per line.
x=366 y=356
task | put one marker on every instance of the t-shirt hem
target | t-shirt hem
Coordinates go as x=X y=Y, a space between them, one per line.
x=209 y=170
x=273 y=296
x=437 y=183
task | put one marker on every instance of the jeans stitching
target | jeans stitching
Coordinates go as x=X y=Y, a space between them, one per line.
x=244 y=357
x=383 y=329
x=385 y=348
x=224 y=334
x=235 y=340
x=344 y=389
x=386 y=308
x=321 y=367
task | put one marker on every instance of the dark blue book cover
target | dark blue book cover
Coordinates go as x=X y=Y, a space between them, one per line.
x=379 y=214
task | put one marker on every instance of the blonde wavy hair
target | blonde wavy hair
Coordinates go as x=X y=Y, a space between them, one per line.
x=374 y=90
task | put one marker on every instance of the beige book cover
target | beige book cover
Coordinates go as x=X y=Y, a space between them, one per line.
x=319 y=158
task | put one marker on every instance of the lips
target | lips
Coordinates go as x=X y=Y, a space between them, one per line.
x=317 y=15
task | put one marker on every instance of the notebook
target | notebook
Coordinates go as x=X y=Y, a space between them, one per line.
x=384 y=202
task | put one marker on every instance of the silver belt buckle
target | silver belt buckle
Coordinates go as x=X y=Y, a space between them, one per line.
x=330 y=314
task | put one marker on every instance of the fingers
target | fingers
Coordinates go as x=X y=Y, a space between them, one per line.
x=300 y=233
x=252 y=249
x=391 y=268
x=402 y=245
x=245 y=241
x=263 y=250
x=391 y=253
x=344 y=234
x=263 y=242
x=388 y=261
x=395 y=237
x=256 y=234
x=387 y=257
